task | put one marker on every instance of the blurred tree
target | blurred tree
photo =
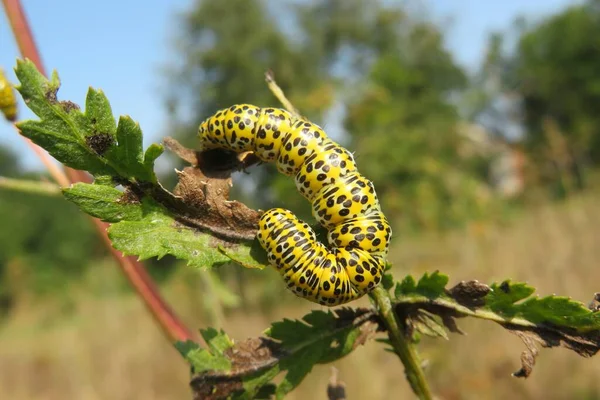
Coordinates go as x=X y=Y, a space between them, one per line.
x=551 y=76
x=44 y=241
x=404 y=127
x=390 y=70
x=224 y=48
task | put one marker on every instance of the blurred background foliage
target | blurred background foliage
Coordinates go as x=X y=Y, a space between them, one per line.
x=454 y=154
x=445 y=148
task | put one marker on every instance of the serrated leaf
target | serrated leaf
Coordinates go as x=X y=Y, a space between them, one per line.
x=57 y=131
x=98 y=113
x=104 y=202
x=146 y=229
x=429 y=324
x=317 y=338
x=258 y=385
x=328 y=336
x=387 y=281
x=66 y=149
x=129 y=155
x=157 y=234
x=407 y=286
x=152 y=153
x=558 y=310
x=217 y=341
x=202 y=360
x=89 y=141
x=254 y=258
x=430 y=286
x=550 y=321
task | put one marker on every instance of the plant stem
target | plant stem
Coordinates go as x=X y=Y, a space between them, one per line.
x=278 y=93
x=402 y=347
x=28 y=186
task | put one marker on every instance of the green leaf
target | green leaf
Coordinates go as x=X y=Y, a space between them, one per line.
x=104 y=202
x=57 y=131
x=158 y=234
x=98 y=114
x=550 y=321
x=317 y=338
x=388 y=278
x=202 y=360
x=145 y=216
x=557 y=310
x=128 y=154
x=147 y=229
x=256 y=385
x=430 y=286
x=207 y=360
x=89 y=141
x=254 y=257
x=217 y=341
x=294 y=346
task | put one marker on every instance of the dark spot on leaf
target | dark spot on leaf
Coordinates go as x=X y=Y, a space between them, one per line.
x=100 y=142
x=69 y=106
x=130 y=197
x=51 y=95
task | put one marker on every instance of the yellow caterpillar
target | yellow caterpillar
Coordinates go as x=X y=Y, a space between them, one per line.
x=343 y=201
x=8 y=100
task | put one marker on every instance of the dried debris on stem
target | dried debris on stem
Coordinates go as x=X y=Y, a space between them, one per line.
x=203 y=189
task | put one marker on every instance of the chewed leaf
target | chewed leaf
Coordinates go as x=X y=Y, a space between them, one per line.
x=548 y=321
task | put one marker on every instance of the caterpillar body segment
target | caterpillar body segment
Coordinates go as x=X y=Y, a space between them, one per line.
x=367 y=232
x=322 y=168
x=8 y=100
x=345 y=198
x=343 y=201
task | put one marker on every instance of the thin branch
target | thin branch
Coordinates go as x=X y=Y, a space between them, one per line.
x=402 y=347
x=134 y=270
x=278 y=93
x=22 y=32
x=29 y=186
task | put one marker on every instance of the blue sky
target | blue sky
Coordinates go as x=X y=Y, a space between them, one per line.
x=122 y=46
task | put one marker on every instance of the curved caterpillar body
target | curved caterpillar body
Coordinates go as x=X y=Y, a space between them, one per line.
x=343 y=201
x=8 y=100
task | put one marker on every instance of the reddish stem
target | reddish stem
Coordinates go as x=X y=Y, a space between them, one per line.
x=134 y=270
